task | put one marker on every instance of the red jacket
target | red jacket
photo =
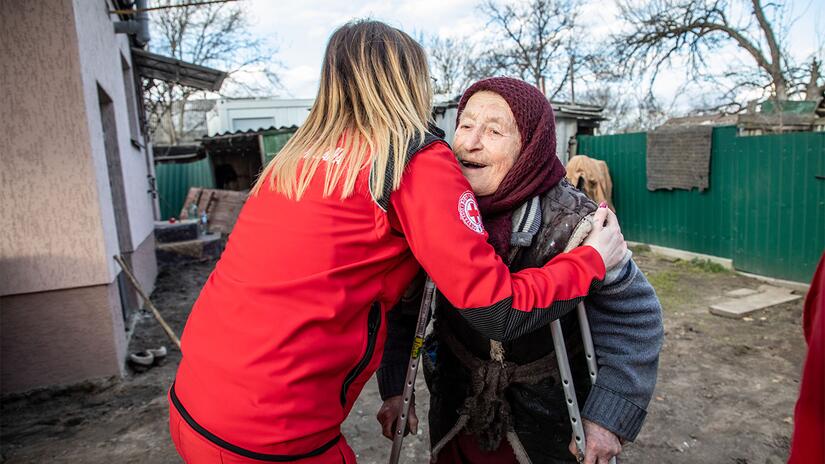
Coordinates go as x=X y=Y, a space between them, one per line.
x=808 y=444
x=285 y=331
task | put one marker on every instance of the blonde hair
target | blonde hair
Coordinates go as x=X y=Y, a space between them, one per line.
x=375 y=96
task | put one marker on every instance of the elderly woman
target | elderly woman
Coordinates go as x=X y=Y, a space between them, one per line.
x=493 y=402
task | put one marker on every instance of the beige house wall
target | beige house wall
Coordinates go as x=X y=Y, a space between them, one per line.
x=60 y=337
x=58 y=216
x=52 y=236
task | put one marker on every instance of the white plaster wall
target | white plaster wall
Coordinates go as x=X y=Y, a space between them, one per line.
x=100 y=59
x=136 y=163
x=565 y=128
x=446 y=122
x=285 y=112
x=213 y=121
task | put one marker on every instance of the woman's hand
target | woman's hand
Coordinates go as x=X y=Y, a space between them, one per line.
x=388 y=416
x=606 y=237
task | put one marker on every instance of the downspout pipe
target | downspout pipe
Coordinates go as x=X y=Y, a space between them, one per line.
x=139 y=26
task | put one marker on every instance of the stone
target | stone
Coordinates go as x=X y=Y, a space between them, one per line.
x=740 y=292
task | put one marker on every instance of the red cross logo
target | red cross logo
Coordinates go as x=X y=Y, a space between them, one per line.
x=473 y=212
x=469 y=213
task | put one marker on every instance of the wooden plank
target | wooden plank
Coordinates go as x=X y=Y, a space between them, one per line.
x=226 y=210
x=222 y=207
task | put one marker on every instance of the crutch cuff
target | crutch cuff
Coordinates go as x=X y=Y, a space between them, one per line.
x=613 y=412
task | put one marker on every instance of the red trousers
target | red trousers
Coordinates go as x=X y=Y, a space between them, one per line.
x=464 y=449
x=195 y=449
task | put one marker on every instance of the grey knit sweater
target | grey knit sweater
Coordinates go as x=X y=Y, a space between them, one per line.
x=626 y=323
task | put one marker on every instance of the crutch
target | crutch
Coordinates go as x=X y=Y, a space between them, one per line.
x=412 y=369
x=567 y=377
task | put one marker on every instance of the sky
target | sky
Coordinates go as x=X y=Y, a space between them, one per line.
x=300 y=29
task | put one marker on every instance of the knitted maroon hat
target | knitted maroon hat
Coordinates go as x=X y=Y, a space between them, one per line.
x=537 y=168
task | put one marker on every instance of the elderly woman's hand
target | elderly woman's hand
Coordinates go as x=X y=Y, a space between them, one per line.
x=388 y=416
x=606 y=237
x=601 y=444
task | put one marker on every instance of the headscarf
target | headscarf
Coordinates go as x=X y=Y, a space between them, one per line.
x=537 y=168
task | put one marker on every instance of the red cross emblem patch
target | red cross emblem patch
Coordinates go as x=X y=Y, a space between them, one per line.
x=469 y=213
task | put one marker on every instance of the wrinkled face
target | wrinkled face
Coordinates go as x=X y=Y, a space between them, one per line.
x=487 y=141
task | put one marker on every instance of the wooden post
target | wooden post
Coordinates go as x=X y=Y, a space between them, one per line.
x=148 y=302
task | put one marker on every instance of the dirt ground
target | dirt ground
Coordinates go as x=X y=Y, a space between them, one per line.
x=726 y=387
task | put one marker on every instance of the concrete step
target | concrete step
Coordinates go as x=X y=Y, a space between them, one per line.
x=209 y=246
x=179 y=231
x=742 y=302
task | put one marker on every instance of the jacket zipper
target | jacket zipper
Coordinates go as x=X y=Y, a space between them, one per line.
x=373 y=323
x=243 y=451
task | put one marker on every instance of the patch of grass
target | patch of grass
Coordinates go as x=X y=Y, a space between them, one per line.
x=680 y=281
x=702 y=265
x=663 y=281
x=666 y=285
x=640 y=249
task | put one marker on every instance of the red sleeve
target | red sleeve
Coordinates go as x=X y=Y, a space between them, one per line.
x=438 y=215
x=814 y=299
x=808 y=442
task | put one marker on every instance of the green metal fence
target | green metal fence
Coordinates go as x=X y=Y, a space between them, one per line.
x=764 y=209
x=174 y=181
x=274 y=141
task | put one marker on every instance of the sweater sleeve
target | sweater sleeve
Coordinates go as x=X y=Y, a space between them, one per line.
x=401 y=323
x=438 y=214
x=626 y=322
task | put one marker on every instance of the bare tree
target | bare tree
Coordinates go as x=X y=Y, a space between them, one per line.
x=627 y=108
x=534 y=41
x=454 y=64
x=214 y=35
x=661 y=31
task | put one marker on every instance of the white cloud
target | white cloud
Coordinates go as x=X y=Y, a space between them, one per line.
x=301 y=81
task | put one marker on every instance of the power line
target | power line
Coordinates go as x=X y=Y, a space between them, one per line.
x=166 y=7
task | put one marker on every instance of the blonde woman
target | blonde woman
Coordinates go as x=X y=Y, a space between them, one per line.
x=289 y=325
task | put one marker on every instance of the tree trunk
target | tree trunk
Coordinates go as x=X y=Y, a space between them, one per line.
x=780 y=86
x=813 y=91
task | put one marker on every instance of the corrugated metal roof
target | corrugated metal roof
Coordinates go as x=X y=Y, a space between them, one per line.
x=718 y=119
x=165 y=68
x=241 y=142
x=250 y=132
x=175 y=153
x=578 y=110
